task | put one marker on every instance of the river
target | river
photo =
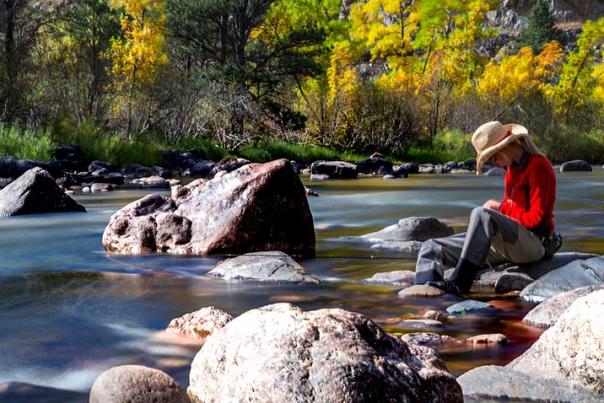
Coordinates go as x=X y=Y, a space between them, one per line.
x=68 y=311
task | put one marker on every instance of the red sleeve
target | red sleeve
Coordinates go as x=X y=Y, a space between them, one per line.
x=506 y=193
x=542 y=193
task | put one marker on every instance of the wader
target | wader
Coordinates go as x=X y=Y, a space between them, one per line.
x=492 y=238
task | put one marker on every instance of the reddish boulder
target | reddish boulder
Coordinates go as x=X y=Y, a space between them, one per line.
x=258 y=207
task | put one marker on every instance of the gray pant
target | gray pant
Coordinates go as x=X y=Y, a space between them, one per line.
x=491 y=238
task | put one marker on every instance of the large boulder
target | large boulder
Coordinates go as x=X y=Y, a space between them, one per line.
x=334 y=169
x=136 y=384
x=259 y=207
x=578 y=273
x=35 y=192
x=547 y=313
x=575 y=166
x=263 y=267
x=572 y=349
x=280 y=353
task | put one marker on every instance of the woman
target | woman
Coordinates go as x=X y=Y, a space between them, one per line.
x=514 y=229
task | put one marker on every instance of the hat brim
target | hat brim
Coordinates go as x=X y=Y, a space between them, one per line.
x=518 y=131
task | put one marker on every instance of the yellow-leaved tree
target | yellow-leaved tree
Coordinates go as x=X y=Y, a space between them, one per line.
x=140 y=53
x=581 y=78
x=517 y=74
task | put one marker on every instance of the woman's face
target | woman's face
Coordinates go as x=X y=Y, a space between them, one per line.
x=502 y=158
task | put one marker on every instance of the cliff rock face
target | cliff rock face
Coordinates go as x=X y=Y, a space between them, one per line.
x=511 y=14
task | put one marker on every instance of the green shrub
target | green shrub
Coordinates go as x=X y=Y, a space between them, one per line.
x=268 y=150
x=210 y=149
x=563 y=143
x=25 y=143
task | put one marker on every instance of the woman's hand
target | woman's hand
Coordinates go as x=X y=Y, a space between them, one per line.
x=492 y=204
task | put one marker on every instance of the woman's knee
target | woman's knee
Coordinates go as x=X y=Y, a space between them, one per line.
x=480 y=213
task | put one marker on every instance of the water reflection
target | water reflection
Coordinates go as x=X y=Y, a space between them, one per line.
x=69 y=311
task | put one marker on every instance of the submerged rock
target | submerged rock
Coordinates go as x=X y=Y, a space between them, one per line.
x=136 y=384
x=548 y=312
x=572 y=349
x=470 y=306
x=432 y=340
x=259 y=207
x=280 y=353
x=334 y=169
x=35 y=192
x=579 y=273
x=403 y=278
x=263 y=267
x=200 y=324
x=420 y=290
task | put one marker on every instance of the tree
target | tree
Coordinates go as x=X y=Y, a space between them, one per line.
x=72 y=56
x=138 y=56
x=580 y=79
x=20 y=22
x=540 y=29
x=251 y=46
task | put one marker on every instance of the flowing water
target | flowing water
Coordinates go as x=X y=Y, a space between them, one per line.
x=68 y=311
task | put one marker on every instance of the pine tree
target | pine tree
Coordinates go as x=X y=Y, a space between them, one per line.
x=540 y=29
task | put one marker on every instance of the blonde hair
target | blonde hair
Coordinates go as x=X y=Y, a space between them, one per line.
x=529 y=146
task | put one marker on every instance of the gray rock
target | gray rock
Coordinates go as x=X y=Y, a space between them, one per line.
x=495 y=172
x=470 y=306
x=99 y=165
x=419 y=324
x=280 y=353
x=258 y=207
x=200 y=324
x=35 y=192
x=403 y=278
x=572 y=349
x=420 y=290
x=4 y=182
x=411 y=167
x=101 y=187
x=153 y=182
x=316 y=177
x=512 y=282
x=263 y=267
x=11 y=167
x=412 y=229
x=576 y=166
x=549 y=311
x=579 y=273
x=334 y=169
x=409 y=249
x=495 y=383
x=489 y=278
x=432 y=340
x=136 y=384
x=389 y=176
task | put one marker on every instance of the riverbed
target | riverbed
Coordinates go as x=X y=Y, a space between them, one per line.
x=68 y=311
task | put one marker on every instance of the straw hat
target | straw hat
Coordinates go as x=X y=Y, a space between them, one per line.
x=491 y=137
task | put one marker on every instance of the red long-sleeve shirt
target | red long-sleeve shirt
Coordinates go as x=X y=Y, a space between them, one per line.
x=530 y=194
